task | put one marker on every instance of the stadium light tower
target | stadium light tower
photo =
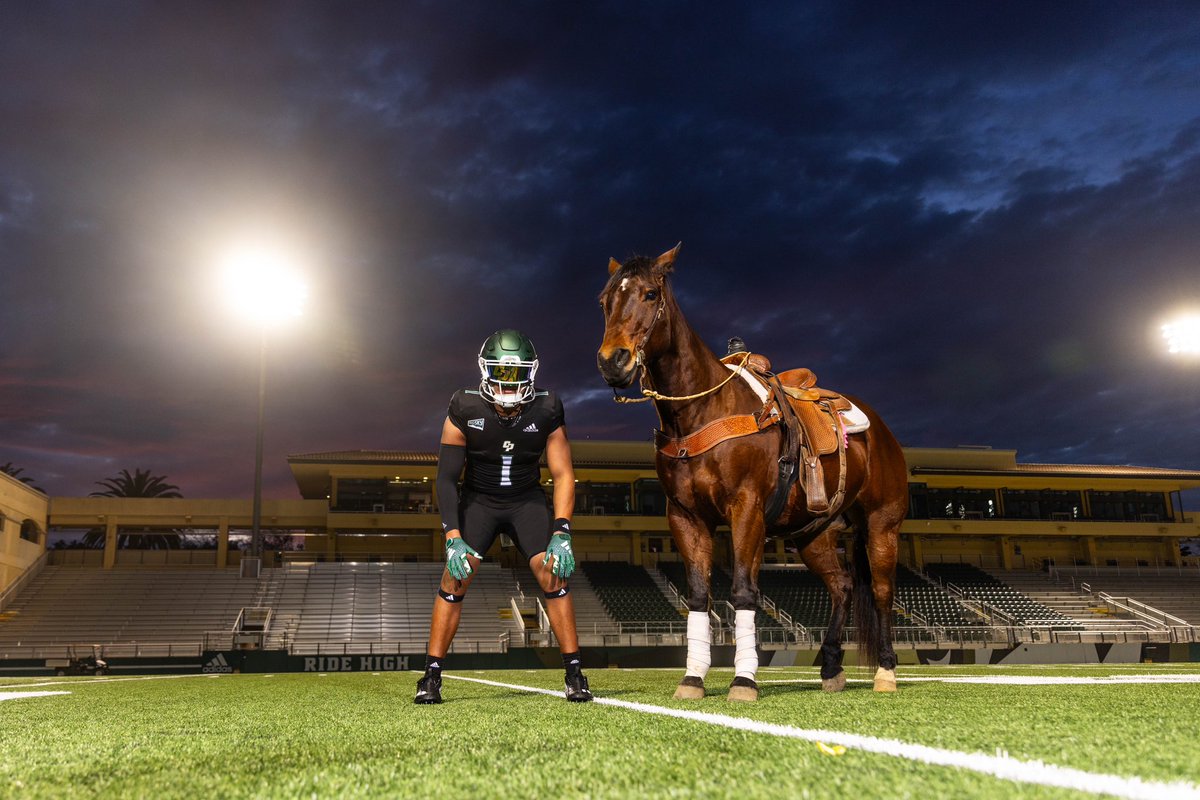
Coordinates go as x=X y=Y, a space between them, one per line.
x=262 y=286
x=1183 y=335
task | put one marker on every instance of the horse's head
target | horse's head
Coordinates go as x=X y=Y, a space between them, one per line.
x=633 y=302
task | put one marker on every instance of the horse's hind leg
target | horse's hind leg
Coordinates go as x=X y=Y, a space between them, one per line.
x=694 y=542
x=821 y=557
x=882 y=544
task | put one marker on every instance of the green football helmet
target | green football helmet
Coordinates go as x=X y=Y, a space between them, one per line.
x=508 y=366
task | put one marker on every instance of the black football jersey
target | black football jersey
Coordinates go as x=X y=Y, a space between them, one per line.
x=503 y=459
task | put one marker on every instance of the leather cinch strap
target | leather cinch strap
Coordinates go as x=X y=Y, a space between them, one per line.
x=711 y=435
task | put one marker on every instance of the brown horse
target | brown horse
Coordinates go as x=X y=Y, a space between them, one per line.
x=646 y=338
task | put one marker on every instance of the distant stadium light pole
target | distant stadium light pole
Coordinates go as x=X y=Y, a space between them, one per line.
x=1183 y=335
x=264 y=288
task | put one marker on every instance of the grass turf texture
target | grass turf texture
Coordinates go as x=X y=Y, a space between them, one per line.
x=359 y=735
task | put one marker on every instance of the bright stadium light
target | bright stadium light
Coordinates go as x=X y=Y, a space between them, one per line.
x=262 y=285
x=1182 y=335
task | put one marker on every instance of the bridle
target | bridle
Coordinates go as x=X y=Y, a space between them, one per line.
x=639 y=361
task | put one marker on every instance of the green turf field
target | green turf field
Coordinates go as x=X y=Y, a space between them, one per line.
x=1130 y=730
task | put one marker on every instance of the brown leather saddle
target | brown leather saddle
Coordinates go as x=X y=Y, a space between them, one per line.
x=813 y=428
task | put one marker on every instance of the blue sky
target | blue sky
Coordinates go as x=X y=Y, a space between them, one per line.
x=974 y=216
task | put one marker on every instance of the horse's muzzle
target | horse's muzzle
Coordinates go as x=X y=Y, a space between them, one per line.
x=618 y=368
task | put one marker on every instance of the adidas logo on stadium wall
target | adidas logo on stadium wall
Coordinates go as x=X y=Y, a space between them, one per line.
x=217 y=664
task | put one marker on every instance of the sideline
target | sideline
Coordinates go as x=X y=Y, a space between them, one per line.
x=20 y=695
x=1000 y=766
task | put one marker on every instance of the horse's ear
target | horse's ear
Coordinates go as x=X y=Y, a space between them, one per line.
x=666 y=261
x=613 y=265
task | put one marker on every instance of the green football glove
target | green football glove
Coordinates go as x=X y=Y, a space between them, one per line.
x=456 y=558
x=560 y=556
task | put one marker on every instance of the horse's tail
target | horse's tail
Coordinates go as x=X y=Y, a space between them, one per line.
x=866 y=621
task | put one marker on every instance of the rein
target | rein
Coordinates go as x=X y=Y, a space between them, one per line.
x=650 y=394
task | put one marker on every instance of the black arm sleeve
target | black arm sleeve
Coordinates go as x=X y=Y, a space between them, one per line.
x=451 y=458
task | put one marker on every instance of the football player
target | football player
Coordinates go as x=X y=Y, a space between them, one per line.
x=499 y=433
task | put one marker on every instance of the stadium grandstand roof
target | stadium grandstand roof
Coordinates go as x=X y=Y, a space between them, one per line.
x=1071 y=471
x=963 y=460
x=365 y=457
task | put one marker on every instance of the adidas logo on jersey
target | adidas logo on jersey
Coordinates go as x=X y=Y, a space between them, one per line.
x=477 y=424
x=217 y=664
x=531 y=428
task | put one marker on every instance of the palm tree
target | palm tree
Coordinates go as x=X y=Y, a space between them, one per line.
x=140 y=484
x=8 y=469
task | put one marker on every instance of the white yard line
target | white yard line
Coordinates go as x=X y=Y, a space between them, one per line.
x=1024 y=680
x=21 y=695
x=1000 y=766
x=109 y=680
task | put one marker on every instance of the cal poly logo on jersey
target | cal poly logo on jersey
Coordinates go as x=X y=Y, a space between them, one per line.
x=508 y=446
x=477 y=424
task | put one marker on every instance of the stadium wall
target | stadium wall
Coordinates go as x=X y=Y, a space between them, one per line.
x=23 y=514
x=275 y=661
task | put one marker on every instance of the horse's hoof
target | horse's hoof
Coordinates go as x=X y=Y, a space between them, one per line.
x=742 y=690
x=834 y=684
x=885 y=680
x=742 y=694
x=690 y=688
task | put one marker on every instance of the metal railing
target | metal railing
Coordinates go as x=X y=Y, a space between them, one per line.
x=109 y=650
x=1078 y=570
x=1142 y=611
x=500 y=644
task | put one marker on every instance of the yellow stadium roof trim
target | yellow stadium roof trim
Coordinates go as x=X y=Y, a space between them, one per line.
x=1071 y=471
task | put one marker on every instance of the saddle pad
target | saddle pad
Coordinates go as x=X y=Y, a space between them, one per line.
x=854 y=420
x=753 y=382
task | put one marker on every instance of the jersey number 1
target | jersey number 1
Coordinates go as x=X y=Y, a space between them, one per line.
x=506 y=470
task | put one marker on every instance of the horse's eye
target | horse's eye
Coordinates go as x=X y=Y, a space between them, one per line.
x=652 y=295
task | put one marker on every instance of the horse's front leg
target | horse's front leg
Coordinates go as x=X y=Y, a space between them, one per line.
x=749 y=538
x=693 y=539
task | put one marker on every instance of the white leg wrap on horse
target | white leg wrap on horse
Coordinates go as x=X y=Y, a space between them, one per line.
x=699 y=639
x=745 y=657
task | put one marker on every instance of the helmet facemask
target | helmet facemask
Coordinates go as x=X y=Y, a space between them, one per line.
x=508 y=381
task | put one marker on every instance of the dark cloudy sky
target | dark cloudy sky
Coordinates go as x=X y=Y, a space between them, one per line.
x=972 y=215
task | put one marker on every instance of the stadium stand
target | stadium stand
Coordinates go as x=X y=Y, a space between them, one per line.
x=798 y=592
x=631 y=596
x=1062 y=597
x=356 y=605
x=69 y=605
x=925 y=603
x=920 y=604
x=1176 y=592
x=997 y=596
x=591 y=614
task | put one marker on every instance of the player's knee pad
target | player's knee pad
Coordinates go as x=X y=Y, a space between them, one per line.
x=557 y=593
x=451 y=597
